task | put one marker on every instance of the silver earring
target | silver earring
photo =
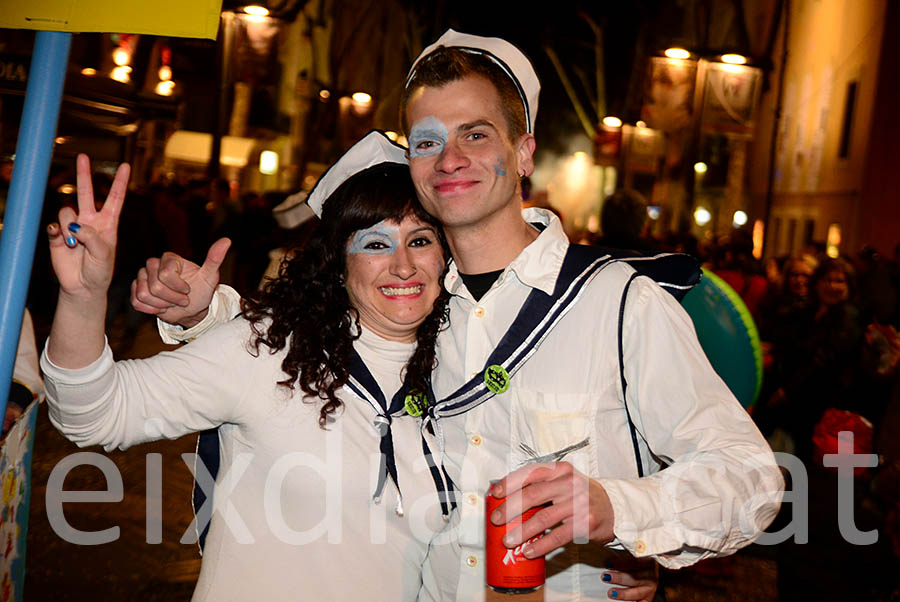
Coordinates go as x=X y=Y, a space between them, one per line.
x=341 y=281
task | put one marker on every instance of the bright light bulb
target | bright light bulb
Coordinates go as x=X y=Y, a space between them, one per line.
x=121 y=57
x=677 y=53
x=361 y=103
x=361 y=98
x=653 y=212
x=739 y=219
x=700 y=167
x=256 y=10
x=268 y=162
x=734 y=59
x=324 y=94
x=89 y=71
x=641 y=124
x=165 y=88
x=165 y=73
x=120 y=74
x=702 y=216
x=612 y=122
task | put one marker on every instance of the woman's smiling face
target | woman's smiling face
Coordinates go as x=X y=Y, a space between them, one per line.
x=394 y=276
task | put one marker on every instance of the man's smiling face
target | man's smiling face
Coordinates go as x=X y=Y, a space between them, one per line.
x=464 y=166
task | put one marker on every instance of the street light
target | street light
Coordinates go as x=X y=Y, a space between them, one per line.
x=361 y=102
x=121 y=74
x=256 y=10
x=361 y=98
x=677 y=53
x=612 y=122
x=833 y=241
x=121 y=57
x=702 y=216
x=268 y=162
x=165 y=87
x=734 y=59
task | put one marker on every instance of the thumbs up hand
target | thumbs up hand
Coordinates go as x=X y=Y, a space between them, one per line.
x=176 y=290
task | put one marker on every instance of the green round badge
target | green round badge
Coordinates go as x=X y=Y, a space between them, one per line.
x=496 y=378
x=415 y=403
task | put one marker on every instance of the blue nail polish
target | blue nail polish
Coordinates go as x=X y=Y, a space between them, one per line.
x=607 y=577
x=70 y=240
x=613 y=594
x=74 y=227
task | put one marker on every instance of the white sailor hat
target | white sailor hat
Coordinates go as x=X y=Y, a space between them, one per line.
x=373 y=149
x=509 y=58
x=293 y=211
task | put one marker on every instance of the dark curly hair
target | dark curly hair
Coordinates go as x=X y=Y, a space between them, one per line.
x=307 y=309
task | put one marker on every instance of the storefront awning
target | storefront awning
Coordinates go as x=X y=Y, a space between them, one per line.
x=196 y=147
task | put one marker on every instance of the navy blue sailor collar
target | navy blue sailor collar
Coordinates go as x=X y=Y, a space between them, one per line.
x=405 y=401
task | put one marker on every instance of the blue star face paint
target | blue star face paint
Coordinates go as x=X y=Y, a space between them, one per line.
x=427 y=136
x=381 y=239
x=499 y=167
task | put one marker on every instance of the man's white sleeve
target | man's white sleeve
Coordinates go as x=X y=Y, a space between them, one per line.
x=225 y=305
x=722 y=487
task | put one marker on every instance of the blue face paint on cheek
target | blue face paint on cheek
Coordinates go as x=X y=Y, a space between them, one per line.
x=380 y=239
x=427 y=137
x=499 y=167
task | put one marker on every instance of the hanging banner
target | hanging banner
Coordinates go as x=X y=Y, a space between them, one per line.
x=177 y=18
x=607 y=145
x=644 y=148
x=729 y=99
x=669 y=93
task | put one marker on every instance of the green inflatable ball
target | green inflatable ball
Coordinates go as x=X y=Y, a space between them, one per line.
x=728 y=335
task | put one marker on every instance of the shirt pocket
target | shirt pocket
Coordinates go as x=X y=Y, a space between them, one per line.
x=552 y=424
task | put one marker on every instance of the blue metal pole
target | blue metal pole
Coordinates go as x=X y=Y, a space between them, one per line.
x=34 y=149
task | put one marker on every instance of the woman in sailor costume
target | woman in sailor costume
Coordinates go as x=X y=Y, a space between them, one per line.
x=313 y=388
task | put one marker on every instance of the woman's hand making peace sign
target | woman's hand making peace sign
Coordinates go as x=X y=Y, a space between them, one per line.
x=83 y=253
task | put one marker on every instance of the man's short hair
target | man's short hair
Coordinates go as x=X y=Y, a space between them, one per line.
x=446 y=65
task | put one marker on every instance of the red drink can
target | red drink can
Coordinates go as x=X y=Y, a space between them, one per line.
x=508 y=571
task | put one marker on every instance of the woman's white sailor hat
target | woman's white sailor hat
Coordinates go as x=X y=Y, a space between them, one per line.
x=373 y=149
x=509 y=58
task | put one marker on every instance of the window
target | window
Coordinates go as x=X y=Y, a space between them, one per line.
x=847 y=123
x=809 y=228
